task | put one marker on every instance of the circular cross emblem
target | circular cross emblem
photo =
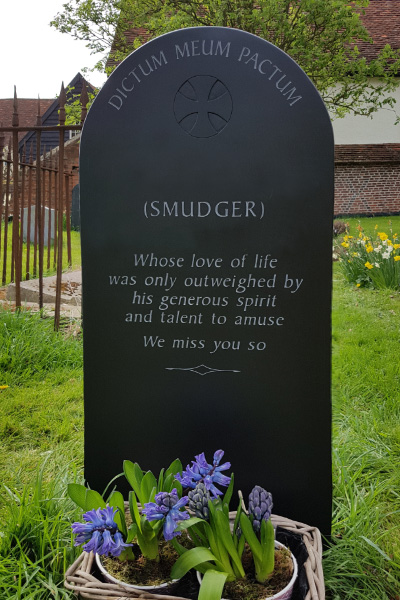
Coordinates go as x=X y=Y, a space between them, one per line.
x=203 y=106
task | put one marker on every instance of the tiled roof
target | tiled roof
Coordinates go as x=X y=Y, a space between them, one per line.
x=367 y=153
x=382 y=20
x=27 y=111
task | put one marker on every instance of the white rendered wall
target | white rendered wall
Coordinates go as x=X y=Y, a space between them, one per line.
x=364 y=130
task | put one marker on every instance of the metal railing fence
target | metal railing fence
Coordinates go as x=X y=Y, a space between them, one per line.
x=35 y=200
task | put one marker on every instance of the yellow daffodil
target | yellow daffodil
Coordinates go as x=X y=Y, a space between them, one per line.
x=4 y=387
x=396 y=258
x=345 y=244
x=369 y=248
x=396 y=246
x=358 y=284
x=382 y=235
x=368 y=265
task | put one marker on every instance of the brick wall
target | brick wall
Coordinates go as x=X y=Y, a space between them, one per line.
x=367 y=179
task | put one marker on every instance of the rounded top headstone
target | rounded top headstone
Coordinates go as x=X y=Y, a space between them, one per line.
x=206 y=174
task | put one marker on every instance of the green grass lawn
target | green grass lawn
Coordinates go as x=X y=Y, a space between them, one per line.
x=75 y=256
x=41 y=423
x=365 y=560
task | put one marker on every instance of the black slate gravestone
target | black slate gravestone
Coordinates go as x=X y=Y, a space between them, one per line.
x=206 y=208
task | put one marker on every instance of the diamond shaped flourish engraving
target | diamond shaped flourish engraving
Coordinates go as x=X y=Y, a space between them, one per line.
x=202 y=370
x=203 y=106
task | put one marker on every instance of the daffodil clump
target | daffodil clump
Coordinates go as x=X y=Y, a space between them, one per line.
x=373 y=263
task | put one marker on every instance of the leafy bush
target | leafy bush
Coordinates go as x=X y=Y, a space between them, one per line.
x=371 y=263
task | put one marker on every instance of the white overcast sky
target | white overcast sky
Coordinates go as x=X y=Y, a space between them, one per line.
x=36 y=57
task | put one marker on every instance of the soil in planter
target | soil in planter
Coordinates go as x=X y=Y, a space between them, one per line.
x=143 y=571
x=250 y=589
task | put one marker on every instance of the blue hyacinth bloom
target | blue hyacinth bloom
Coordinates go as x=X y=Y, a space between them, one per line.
x=167 y=506
x=99 y=533
x=202 y=471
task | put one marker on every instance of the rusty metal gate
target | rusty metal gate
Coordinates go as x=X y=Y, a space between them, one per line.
x=39 y=193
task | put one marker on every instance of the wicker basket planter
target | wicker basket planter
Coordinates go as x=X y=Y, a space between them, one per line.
x=80 y=578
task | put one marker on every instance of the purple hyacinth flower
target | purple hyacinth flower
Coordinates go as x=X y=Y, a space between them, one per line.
x=167 y=506
x=119 y=544
x=260 y=506
x=202 y=471
x=94 y=543
x=99 y=533
x=108 y=543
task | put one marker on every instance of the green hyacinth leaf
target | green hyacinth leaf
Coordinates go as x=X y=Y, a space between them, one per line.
x=134 y=510
x=189 y=560
x=156 y=527
x=251 y=538
x=188 y=523
x=236 y=523
x=160 y=483
x=178 y=547
x=168 y=483
x=228 y=495
x=178 y=486
x=212 y=585
x=241 y=545
x=94 y=500
x=149 y=528
x=109 y=484
x=77 y=493
x=148 y=484
x=133 y=476
x=212 y=511
x=268 y=551
x=174 y=468
x=132 y=533
x=148 y=546
x=224 y=533
x=117 y=501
